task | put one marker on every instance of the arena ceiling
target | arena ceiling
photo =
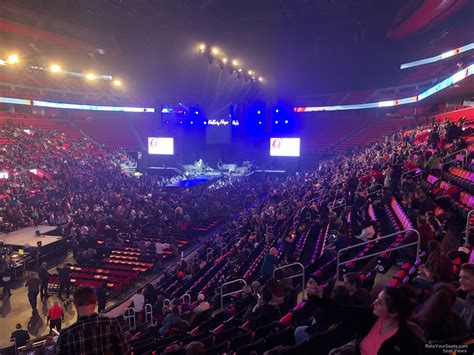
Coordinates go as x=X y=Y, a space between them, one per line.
x=300 y=46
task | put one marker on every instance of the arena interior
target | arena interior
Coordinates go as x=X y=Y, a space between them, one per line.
x=236 y=177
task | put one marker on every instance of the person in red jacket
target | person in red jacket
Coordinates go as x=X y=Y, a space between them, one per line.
x=55 y=316
x=426 y=233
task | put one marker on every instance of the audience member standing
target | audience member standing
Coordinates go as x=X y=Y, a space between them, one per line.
x=20 y=336
x=138 y=302
x=33 y=285
x=55 y=316
x=91 y=334
x=101 y=298
x=64 y=281
x=270 y=261
x=44 y=275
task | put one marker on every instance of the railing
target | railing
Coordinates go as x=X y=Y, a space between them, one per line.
x=417 y=243
x=166 y=302
x=468 y=227
x=230 y=293
x=375 y=190
x=301 y=274
x=223 y=248
x=445 y=161
x=417 y=172
x=129 y=316
x=149 y=314
x=209 y=253
x=337 y=204
x=186 y=295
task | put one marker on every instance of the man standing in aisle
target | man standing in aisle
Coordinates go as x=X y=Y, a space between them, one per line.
x=33 y=285
x=44 y=275
x=55 y=316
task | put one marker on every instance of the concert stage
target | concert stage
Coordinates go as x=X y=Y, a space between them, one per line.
x=26 y=236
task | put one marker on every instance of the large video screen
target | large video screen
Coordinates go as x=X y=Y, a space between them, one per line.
x=284 y=147
x=160 y=145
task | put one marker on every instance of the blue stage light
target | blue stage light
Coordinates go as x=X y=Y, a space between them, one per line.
x=192 y=122
x=276 y=122
x=196 y=112
x=277 y=110
x=205 y=122
x=259 y=112
x=180 y=122
x=259 y=122
x=286 y=121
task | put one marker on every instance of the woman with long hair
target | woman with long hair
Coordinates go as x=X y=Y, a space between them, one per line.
x=437 y=318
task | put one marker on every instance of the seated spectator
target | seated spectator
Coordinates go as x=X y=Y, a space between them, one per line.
x=195 y=348
x=368 y=231
x=170 y=320
x=382 y=328
x=263 y=313
x=438 y=268
x=437 y=317
x=91 y=334
x=426 y=234
x=20 y=336
x=466 y=279
x=203 y=305
x=357 y=296
x=49 y=347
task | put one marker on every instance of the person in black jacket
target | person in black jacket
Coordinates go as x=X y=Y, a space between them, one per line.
x=44 y=275
x=20 y=336
x=382 y=328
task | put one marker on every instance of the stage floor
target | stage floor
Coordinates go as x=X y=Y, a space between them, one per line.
x=27 y=236
x=198 y=180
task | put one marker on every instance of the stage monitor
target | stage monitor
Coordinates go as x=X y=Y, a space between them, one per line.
x=160 y=145
x=284 y=147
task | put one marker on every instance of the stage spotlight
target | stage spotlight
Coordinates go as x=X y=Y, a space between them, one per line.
x=286 y=121
x=55 y=68
x=259 y=112
x=276 y=122
x=13 y=59
x=2 y=62
x=260 y=79
x=180 y=122
x=224 y=60
x=235 y=62
x=215 y=51
x=277 y=110
x=196 y=112
x=117 y=83
x=259 y=122
x=250 y=72
x=205 y=122
x=202 y=48
x=192 y=122
x=90 y=76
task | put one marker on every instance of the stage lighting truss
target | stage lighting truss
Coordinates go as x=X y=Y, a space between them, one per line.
x=217 y=54
x=14 y=59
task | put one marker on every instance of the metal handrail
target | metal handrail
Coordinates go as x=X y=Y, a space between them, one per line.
x=417 y=171
x=302 y=274
x=378 y=188
x=337 y=204
x=186 y=295
x=466 y=238
x=129 y=316
x=166 y=302
x=417 y=243
x=223 y=248
x=230 y=293
x=445 y=162
x=148 y=313
x=209 y=253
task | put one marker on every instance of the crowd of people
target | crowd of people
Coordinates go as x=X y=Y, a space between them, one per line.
x=87 y=196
